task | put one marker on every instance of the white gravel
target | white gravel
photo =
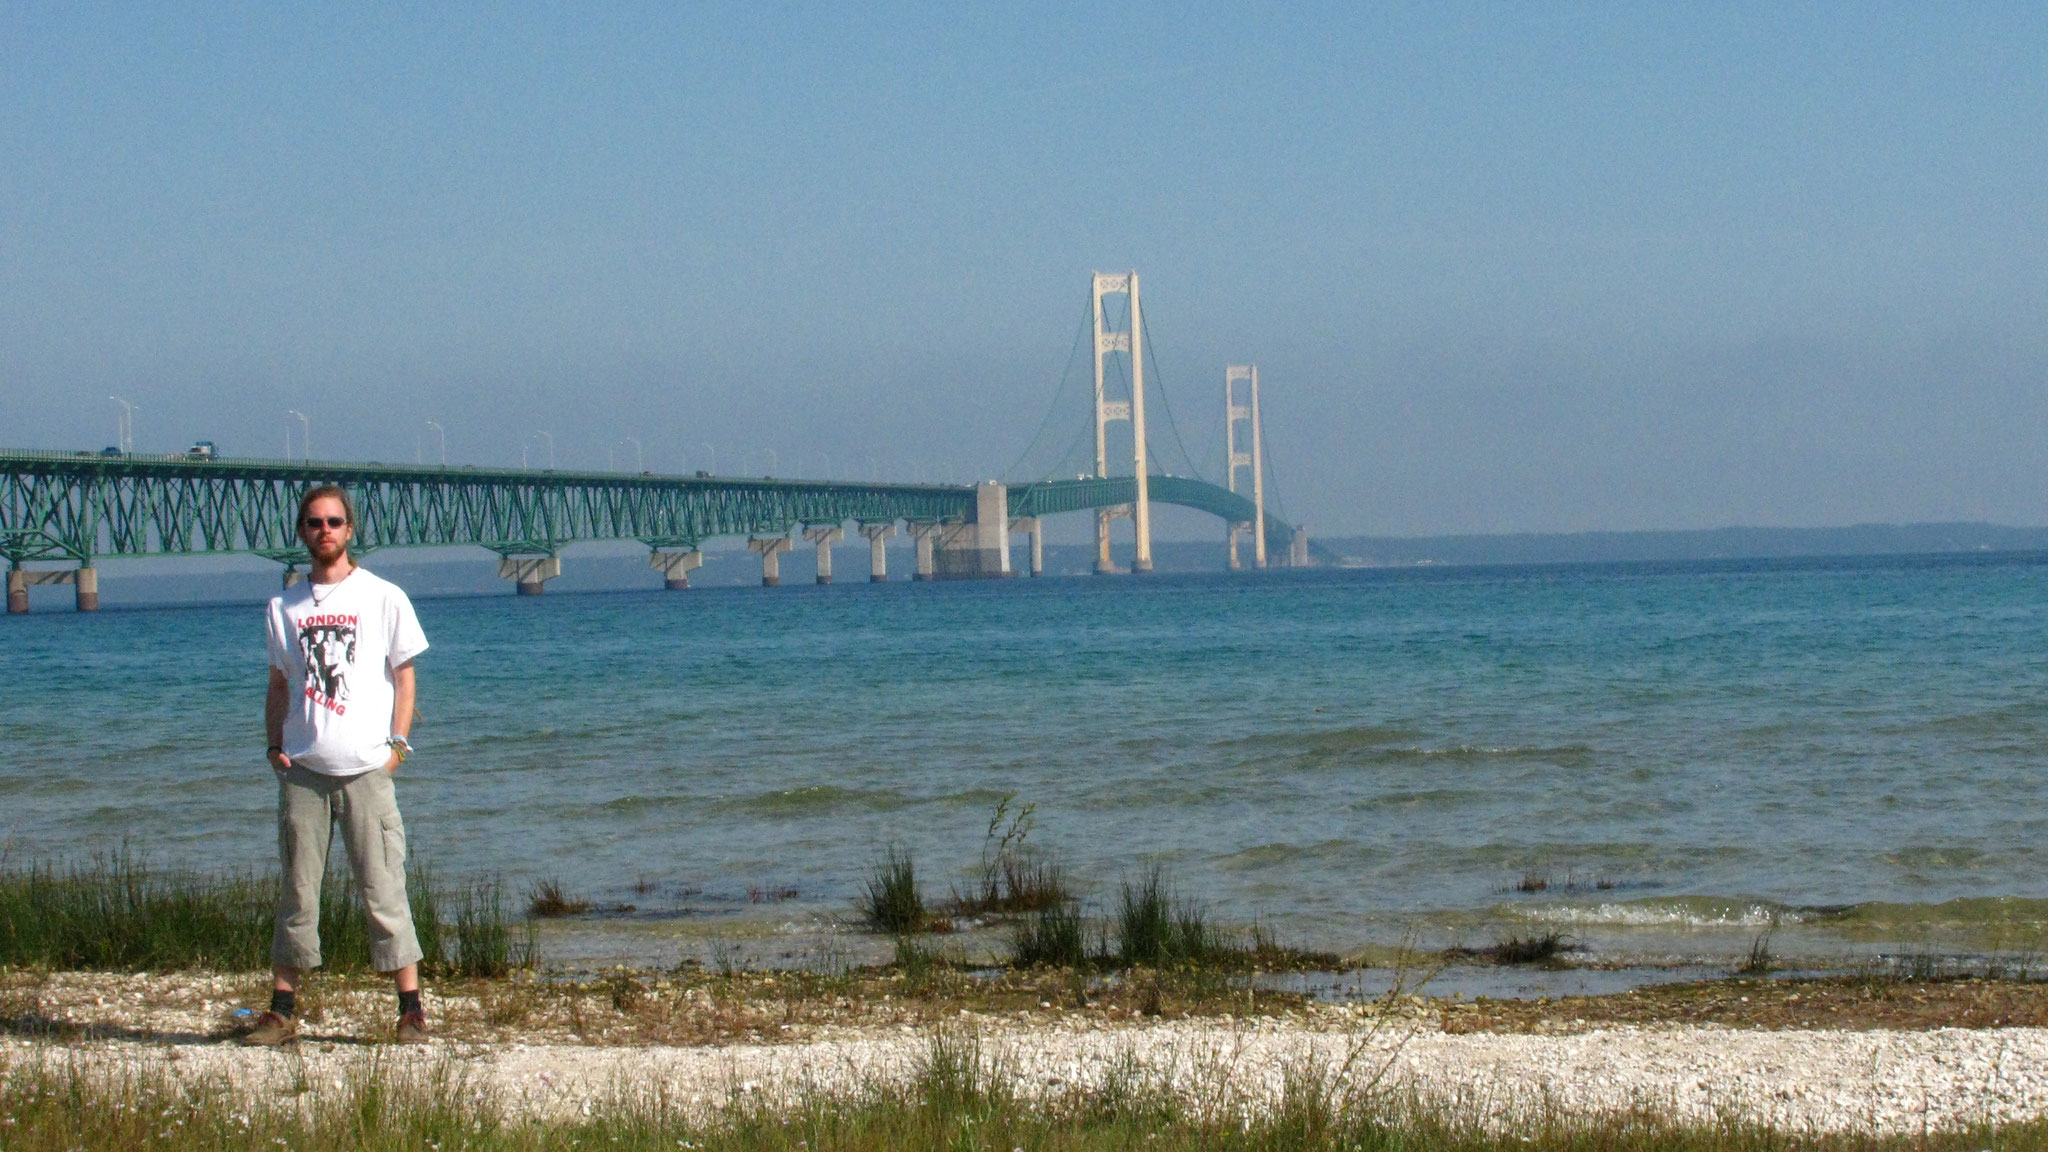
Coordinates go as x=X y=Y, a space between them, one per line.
x=1800 y=1080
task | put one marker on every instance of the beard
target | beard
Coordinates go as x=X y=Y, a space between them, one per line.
x=328 y=550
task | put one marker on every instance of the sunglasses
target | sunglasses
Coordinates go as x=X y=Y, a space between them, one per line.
x=315 y=523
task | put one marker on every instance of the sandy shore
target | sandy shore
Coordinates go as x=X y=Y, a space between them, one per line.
x=1879 y=1078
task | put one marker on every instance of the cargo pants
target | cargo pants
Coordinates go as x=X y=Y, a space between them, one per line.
x=309 y=806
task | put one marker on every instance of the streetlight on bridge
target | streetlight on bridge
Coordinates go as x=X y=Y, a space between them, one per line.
x=442 y=434
x=305 y=434
x=124 y=429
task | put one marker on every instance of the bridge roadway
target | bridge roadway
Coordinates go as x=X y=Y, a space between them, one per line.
x=71 y=508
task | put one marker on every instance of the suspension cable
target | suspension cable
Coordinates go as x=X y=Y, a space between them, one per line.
x=1152 y=355
x=1273 y=473
x=1065 y=374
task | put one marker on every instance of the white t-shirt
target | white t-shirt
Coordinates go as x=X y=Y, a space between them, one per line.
x=336 y=645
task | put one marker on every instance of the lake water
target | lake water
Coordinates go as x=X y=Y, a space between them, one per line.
x=1680 y=755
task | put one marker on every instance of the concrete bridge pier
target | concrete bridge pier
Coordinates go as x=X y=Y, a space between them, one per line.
x=1029 y=525
x=85 y=579
x=1231 y=535
x=1297 y=548
x=824 y=536
x=978 y=549
x=770 y=548
x=925 y=532
x=675 y=567
x=531 y=572
x=878 y=552
x=1104 y=566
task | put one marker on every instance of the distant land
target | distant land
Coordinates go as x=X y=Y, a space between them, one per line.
x=616 y=566
x=1702 y=544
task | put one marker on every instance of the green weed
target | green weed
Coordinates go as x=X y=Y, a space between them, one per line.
x=113 y=912
x=1051 y=937
x=893 y=902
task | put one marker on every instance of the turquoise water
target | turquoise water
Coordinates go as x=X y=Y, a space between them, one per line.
x=1677 y=752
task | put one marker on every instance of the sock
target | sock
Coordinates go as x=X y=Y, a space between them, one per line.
x=284 y=1003
x=408 y=1002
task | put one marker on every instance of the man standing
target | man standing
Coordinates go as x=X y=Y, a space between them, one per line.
x=339 y=707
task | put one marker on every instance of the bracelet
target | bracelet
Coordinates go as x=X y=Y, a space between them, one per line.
x=273 y=748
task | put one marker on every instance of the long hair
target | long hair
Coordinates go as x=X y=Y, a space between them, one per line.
x=348 y=506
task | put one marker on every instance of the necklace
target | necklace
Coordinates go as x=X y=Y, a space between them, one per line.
x=314 y=589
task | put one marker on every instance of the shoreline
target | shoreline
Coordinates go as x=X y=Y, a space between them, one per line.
x=1835 y=1055
x=694 y=1006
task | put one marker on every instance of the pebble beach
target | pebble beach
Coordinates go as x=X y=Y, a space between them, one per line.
x=1877 y=1079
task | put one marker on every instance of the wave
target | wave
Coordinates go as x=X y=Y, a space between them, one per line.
x=1679 y=912
x=1427 y=798
x=1324 y=742
x=817 y=800
x=981 y=799
x=1281 y=852
x=631 y=805
x=1916 y=857
x=2024 y=915
x=1477 y=753
x=2025 y=919
x=1385 y=743
x=2006 y=720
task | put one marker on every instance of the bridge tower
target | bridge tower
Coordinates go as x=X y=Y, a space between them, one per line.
x=1107 y=344
x=1233 y=414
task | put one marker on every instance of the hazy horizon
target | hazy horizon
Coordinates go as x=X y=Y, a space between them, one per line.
x=1532 y=270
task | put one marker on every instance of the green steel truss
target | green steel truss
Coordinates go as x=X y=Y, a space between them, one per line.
x=1052 y=497
x=55 y=506
x=62 y=506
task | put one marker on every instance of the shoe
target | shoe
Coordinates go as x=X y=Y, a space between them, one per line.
x=272 y=1030
x=412 y=1028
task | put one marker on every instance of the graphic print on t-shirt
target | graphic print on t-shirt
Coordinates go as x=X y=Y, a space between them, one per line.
x=329 y=645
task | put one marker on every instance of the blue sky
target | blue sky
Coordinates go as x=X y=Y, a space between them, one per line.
x=1504 y=267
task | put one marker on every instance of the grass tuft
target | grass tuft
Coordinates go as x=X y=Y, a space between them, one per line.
x=1529 y=949
x=548 y=900
x=1760 y=961
x=1050 y=937
x=893 y=902
x=1030 y=882
x=920 y=965
x=113 y=912
x=1144 y=922
x=1154 y=927
x=486 y=945
x=1013 y=878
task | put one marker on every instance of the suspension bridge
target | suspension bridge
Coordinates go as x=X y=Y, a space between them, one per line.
x=61 y=511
